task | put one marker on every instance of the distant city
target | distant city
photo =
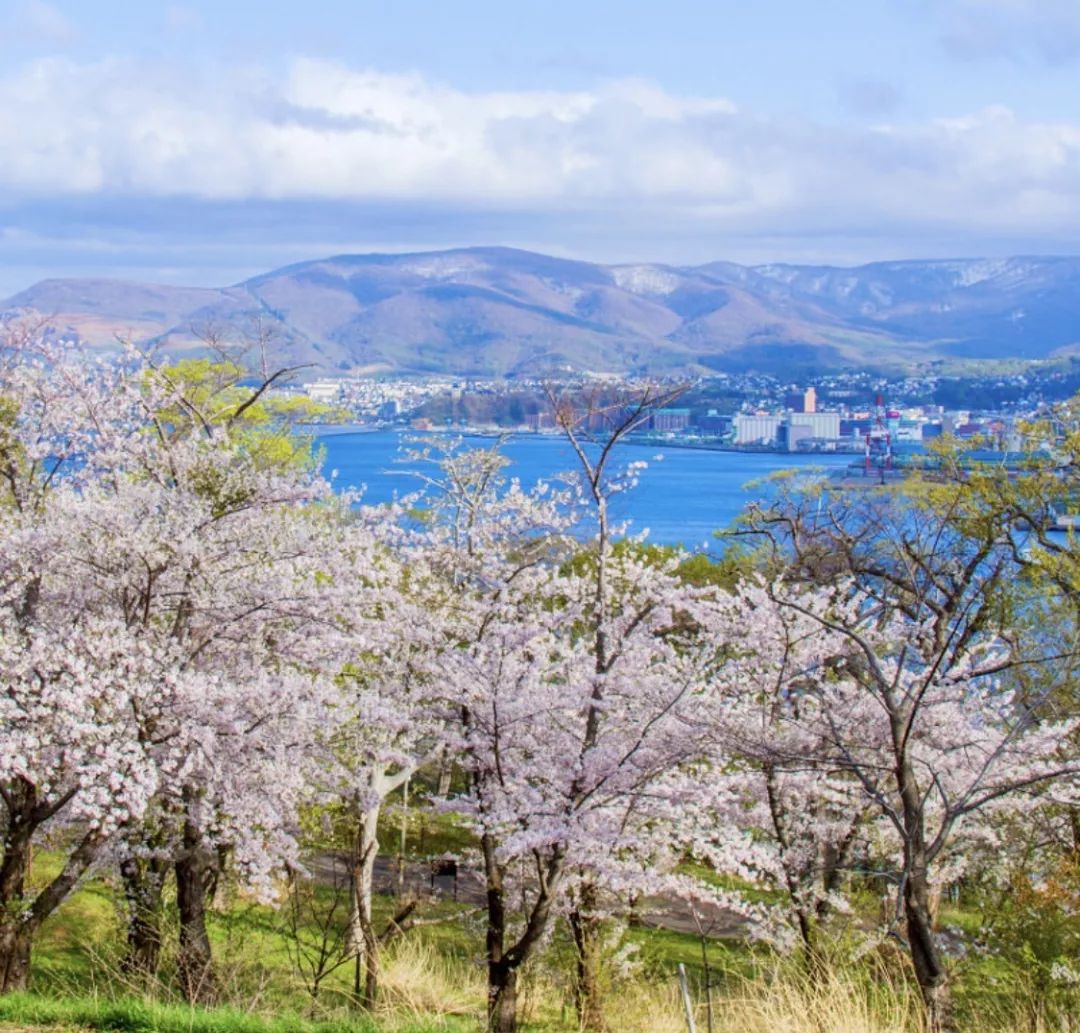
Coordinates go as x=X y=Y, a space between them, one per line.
x=829 y=413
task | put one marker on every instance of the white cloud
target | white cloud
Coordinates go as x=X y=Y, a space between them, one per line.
x=625 y=151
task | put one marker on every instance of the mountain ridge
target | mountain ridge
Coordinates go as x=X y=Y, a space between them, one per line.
x=504 y=311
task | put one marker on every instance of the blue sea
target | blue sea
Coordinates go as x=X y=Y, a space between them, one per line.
x=683 y=496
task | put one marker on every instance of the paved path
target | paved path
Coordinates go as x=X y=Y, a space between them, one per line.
x=656 y=912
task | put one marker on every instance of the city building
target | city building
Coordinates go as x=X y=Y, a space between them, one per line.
x=817 y=424
x=323 y=390
x=802 y=401
x=755 y=429
x=714 y=423
x=670 y=419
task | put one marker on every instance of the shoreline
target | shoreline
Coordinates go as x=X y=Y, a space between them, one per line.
x=698 y=445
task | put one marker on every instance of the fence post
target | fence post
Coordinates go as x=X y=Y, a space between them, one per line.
x=708 y=986
x=684 y=986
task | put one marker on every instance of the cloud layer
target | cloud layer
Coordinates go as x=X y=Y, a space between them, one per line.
x=325 y=131
x=162 y=155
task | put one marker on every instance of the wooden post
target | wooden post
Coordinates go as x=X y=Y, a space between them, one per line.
x=401 y=845
x=708 y=986
x=688 y=1005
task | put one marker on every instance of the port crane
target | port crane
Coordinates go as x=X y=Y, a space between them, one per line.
x=879 y=450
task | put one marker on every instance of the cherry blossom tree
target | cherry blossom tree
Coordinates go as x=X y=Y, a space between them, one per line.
x=71 y=760
x=770 y=812
x=941 y=703
x=163 y=537
x=71 y=757
x=595 y=422
x=486 y=553
x=386 y=726
x=200 y=548
x=574 y=677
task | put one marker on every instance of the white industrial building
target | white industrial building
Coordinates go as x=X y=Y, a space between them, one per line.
x=751 y=429
x=819 y=424
x=754 y=429
x=323 y=390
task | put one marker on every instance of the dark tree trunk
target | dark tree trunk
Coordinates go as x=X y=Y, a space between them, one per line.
x=502 y=978
x=503 y=963
x=811 y=953
x=929 y=966
x=15 y=933
x=804 y=913
x=144 y=883
x=588 y=988
x=194 y=875
x=930 y=971
x=14 y=957
x=502 y=998
x=21 y=918
x=20 y=804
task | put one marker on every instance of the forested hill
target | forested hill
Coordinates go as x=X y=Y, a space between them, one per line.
x=501 y=311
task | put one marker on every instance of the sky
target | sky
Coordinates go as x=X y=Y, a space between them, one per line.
x=201 y=143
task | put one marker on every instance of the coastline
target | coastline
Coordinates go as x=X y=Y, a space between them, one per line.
x=325 y=430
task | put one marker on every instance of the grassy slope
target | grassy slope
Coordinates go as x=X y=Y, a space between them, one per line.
x=433 y=982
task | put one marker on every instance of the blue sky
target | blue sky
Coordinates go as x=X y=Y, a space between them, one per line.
x=202 y=142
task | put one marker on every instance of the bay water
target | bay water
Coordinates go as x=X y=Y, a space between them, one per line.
x=683 y=496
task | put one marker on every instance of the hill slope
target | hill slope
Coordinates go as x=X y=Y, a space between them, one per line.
x=498 y=311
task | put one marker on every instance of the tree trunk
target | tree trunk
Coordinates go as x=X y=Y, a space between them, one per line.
x=588 y=988
x=194 y=873
x=14 y=956
x=502 y=978
x=794 y=878
x=371 y=965
x=810 y=949
x=363 y=942
x=446 y=771
x=930 y=971
x=144 y=883
x=502 y=998
x=929 y=966
x=503 y=963
x=15 y=933
x=21 y=917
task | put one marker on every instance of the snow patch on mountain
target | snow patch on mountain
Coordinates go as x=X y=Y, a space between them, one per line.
x=443 y=267
x=645 y=279
x=968 y=274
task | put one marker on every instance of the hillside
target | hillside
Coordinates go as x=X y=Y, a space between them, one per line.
x=500 y=311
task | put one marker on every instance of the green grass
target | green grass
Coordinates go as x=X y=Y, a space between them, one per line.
x=138 y=1016
x=429 y=833
x=748 y=891
x=77 y=982
x=78 y=952
x=661 y=951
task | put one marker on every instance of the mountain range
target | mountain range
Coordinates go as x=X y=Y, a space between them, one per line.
x=502 y=311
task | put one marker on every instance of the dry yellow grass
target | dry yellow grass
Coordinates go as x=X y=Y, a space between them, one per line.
x=647 y=1009
x=833 y=1004
x=419 y=982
